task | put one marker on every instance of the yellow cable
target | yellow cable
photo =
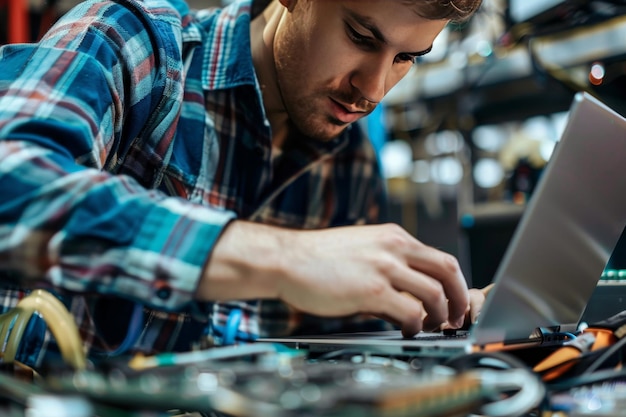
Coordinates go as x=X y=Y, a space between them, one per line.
x=20 y=320
x=11 y=332
x=59 y=321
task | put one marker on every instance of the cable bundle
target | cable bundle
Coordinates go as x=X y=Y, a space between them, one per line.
x=60 y=322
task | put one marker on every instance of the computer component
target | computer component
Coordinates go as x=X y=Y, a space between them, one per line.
x=288 y=384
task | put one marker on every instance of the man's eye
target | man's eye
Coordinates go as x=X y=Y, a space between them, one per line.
x=357 y=38
x=406 y=58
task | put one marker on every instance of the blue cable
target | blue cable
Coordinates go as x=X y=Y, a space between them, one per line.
x=230 y=332
x=134 y=331
x=229 y=336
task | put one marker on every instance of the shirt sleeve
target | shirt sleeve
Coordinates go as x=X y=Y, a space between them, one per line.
x=70 y=109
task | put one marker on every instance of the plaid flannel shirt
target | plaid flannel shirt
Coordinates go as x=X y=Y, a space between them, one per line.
x=130 y=136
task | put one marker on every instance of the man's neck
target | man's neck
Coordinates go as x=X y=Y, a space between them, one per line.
x=262 y=30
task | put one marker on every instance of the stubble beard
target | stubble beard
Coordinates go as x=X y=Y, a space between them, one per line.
x=307 y=115
x=308 y=108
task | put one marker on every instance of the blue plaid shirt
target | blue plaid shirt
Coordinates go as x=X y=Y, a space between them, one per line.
x=130 y=136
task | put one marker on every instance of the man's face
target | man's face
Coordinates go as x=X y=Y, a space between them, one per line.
x=336 y=59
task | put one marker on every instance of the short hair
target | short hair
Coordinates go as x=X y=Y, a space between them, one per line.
x=453 y=10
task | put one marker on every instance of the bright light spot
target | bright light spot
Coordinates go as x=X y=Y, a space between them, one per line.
x=450 y=141
x=446 y=141
x=559 y=121
x=396 y=159
x=458 y=59
x=421 y=172
x=597 y=70
x=546 y=149
x=538 y=128
x=594 y=404
x=488 y=173
x=596 y=74
x=207 y=382
x=484 y=48
x=448 y=170
x=489 y=138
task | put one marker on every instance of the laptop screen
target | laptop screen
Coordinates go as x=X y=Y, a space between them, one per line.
x=565 y=237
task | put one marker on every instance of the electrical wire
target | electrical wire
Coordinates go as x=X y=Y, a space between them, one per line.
x=133 y=333
x=530 y=391
x=587 y=379
x=485 y=360
x=502 y=373
x=607 y=354
x=139 y=362
x=60 y=322
x=230 y=332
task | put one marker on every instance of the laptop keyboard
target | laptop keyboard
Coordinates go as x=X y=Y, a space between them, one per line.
x=446 y=335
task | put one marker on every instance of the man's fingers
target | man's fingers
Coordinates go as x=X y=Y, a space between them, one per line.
x=427 y=291
x=485 y=290
x=407 y=312
x=477 y=298
x=444 y=268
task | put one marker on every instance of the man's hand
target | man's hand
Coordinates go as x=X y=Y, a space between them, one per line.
x=477 y=299
x=338 y=272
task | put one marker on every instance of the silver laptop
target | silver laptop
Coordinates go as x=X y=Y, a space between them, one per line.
x=556 y=256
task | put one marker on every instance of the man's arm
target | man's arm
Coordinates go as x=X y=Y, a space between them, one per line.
x=71 y=108
x=339 y=271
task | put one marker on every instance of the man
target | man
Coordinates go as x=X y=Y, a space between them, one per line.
x=173 y=159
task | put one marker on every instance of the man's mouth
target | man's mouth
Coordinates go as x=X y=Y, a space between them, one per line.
x=344 y=113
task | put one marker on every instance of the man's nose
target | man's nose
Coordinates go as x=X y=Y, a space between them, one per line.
x=371 y=80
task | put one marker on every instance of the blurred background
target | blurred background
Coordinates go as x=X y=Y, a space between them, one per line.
x=464 y=137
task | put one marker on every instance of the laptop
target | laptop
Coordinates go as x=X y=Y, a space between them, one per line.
x=556 y=256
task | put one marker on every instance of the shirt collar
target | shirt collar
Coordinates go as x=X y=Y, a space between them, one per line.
x=227 y=55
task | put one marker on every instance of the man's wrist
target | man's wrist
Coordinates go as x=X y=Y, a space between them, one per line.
x=247 y=262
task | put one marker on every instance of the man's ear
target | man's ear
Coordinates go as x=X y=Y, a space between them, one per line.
x=289 y=4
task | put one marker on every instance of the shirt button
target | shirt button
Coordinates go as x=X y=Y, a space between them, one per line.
x=164 y=292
